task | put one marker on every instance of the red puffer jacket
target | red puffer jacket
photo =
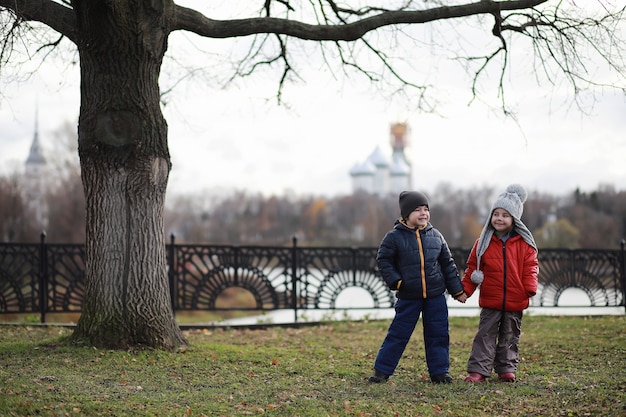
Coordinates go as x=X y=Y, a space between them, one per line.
x=510 y=269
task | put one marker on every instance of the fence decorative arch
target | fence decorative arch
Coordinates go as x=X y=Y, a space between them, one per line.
x=19 y=278
x=199 y=274
x=335 y=282
x=212 y=284
x=593 y=272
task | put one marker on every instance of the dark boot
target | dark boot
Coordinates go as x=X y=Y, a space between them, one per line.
x=378 y=377
x=441 y=379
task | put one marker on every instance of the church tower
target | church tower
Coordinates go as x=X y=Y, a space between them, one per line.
x=35 y=179
x=400 y=171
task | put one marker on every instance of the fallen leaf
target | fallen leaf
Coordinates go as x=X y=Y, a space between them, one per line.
x=346 y=406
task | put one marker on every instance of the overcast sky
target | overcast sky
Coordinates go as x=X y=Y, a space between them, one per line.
x=238 y=139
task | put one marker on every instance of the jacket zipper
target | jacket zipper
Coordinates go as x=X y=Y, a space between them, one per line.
x=421 y=252
x=504 y=277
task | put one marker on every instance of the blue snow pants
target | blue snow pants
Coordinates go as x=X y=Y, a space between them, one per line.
x=434 y=313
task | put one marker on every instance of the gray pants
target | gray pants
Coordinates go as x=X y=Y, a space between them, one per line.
x=496 y=343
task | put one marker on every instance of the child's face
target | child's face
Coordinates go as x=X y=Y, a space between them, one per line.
x=501 y=220
x=419 y=217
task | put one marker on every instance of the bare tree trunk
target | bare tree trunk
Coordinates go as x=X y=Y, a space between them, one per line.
x=125 y=166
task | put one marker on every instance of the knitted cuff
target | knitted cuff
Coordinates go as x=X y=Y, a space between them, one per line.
x=458 y=294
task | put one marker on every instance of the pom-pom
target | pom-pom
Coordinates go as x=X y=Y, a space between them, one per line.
x=519 y=190
x=477 y=277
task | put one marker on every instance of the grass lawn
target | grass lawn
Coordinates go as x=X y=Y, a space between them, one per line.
x=570 y=366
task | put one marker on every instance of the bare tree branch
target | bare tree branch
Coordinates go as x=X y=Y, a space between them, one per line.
x=58 y=16
x=556 y=37
x=193 y=21
x=558 y=42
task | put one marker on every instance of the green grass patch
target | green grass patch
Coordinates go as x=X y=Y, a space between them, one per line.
x=570 y=366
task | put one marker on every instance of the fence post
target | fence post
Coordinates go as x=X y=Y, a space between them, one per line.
x=353 y=250
x=171 y=271
x=622 y=244
x=294 y=278
x=43 y=275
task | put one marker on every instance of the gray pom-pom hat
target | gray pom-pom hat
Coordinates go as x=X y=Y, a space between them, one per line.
x=512 y=200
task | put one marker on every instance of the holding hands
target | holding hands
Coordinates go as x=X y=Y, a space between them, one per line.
x=462 y=298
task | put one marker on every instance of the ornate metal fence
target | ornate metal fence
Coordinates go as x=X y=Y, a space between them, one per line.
x=49 y=278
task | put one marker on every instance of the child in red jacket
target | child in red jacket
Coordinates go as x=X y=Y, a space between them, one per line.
x=503 y=261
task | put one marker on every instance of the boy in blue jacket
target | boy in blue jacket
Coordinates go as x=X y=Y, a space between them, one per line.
x=414 y=259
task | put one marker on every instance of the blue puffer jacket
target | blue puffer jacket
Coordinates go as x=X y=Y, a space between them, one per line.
x=421 y=259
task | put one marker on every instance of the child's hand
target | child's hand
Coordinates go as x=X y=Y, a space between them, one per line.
x=462 y=298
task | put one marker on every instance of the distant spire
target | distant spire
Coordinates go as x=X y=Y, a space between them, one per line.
x=35 y=155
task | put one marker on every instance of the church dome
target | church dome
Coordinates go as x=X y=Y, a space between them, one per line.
x=378 y=158
x=365 y=168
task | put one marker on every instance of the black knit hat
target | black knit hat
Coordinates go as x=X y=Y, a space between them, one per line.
x=409 y=201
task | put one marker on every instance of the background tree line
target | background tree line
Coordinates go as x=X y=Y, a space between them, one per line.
x=577 y=219
x=595 y=219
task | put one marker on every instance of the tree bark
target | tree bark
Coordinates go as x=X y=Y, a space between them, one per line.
x=125 y=166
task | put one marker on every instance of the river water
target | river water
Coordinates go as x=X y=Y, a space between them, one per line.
x=356 y=304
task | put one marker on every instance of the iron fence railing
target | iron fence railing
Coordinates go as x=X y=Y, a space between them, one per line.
x=49 y=278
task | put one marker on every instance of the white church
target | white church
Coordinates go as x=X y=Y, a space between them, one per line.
x=380 y=174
